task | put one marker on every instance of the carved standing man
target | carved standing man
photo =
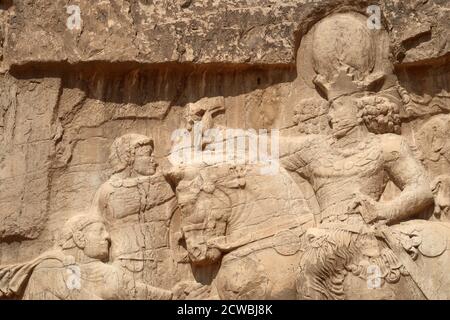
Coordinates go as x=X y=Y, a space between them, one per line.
x=137 y=203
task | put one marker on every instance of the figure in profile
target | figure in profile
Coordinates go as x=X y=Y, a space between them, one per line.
x=76 y=269
x=137 y=204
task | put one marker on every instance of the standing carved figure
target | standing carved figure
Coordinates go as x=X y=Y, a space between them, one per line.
x=138 y=204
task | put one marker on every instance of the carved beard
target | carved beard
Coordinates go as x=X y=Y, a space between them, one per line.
x=342 y=127
x=98 y=250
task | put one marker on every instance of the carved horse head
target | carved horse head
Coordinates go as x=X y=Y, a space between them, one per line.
x=204 y=199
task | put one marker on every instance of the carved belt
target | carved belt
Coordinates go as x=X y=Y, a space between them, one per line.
x=277 y=226
x=338 y=210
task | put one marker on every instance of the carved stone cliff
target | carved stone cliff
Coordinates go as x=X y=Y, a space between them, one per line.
x=87 y=120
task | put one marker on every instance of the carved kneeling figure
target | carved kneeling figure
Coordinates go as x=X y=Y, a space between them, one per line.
x=77 y=269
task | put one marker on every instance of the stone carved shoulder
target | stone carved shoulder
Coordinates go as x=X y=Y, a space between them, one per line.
x=404 y=168
x=47 y=282
x=101 y=198
x=394 y=146
x=298 y=152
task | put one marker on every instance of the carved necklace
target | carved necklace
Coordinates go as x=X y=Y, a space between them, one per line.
x=348 y=152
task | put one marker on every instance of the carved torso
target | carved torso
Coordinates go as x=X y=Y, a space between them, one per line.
x=150 y=192
x=138 y=211
x=51 y=280
x=336 y=175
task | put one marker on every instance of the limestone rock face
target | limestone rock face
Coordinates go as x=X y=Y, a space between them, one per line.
x=251 y=149
x=230 y=31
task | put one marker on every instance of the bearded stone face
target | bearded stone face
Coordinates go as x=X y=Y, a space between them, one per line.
x=343 y=116
x=96 y=241
x=144 y=163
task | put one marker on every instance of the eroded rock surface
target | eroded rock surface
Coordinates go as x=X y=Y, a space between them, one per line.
x=127 y=149
x=231 y=31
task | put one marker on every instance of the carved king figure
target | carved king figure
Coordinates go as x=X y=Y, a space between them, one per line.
x=349 y=171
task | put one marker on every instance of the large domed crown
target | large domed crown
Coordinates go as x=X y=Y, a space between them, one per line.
x=343 y=55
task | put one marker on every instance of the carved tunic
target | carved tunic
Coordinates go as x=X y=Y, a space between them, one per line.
x=335 y=176
x=138 y=211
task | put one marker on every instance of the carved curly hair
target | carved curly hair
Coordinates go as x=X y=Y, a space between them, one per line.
x=328 y=258
x=310 y=115
x=123 y=149
x=379 y=114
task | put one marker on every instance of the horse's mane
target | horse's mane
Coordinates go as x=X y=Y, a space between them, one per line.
x=323 y=264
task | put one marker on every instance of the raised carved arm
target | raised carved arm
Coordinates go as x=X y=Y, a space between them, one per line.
x=294 y=152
